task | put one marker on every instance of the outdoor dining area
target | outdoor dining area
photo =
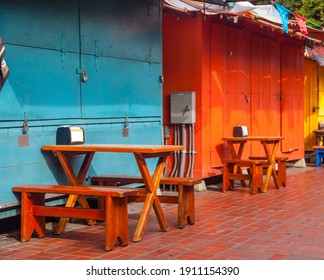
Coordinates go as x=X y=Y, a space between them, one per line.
x=124 y=216
x=113 y=199
x=284 y=223
x=159 y=130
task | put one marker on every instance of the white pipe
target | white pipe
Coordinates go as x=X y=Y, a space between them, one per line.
x=178 y=152
x=189 y=152
x=166 y=164
x=175 y=155
x=193 y=150
x=184 y=151
x=165 y=142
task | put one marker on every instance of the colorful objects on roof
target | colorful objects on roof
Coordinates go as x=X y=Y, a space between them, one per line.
x=274 y=17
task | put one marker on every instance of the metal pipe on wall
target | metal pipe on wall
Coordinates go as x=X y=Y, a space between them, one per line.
x=184 y=151
x=190 y=152
x=175 y=163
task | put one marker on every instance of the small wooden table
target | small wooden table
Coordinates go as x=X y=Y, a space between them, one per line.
x=270 y=145
x=141 y=153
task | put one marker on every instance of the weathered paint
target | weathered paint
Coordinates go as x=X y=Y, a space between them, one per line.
x=243 y=74
x=314 y=101
x=321 y=93
x=310 y=103
x=118 y=43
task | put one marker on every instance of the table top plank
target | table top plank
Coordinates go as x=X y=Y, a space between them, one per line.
x=119 y=148
x=253 y=138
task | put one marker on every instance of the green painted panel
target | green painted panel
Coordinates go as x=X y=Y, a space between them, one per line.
x=121 y=53
x=42 y=83
x=116 y=87
x=40 y=24
x=42 y=53
x=122 y=29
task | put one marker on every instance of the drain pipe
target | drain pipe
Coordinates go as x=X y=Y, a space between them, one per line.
x=190 y=152
x=184 y=151
x=193 y=152
x=175 y=162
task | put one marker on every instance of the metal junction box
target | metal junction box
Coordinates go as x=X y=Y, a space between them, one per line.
x=183 y=107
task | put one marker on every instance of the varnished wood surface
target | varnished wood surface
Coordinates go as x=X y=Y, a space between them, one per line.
x=270 y=145
x=128 y=179
x=185 y=198
x=253 y=138
x=76 y=190
x=34 y=210
x=126 y=148
x=141 y=153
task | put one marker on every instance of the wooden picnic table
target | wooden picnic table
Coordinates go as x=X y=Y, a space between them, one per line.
x=141 y=153
x=270 y=145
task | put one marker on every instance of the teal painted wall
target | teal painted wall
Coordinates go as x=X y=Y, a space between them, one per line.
x=117 y=43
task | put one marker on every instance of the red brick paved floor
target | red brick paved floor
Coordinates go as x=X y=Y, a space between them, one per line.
x=285 y=224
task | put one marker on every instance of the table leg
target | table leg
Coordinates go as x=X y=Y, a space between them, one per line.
x=151 y=184
x=237 y=155
x=271 y=156
x=74 y=180
x=234 y=154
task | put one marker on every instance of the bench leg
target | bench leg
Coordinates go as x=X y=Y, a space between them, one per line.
x=30 y=223
x=116 y=228
x=282 y=178
x=257 y=178
x=227 y=183
x=186 y=205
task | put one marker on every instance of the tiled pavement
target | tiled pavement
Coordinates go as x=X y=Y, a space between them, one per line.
x=285 y=224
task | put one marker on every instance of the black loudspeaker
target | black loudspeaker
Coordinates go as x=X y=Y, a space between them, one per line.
x=69 y=135
x=240 y=131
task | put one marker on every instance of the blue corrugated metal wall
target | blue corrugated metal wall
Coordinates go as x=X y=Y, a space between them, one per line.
x=117 y=43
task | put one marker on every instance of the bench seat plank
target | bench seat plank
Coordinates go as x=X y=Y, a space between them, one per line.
x=126 y=179
x=77 y=190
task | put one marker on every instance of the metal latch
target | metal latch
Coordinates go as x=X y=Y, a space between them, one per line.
x=83 y=73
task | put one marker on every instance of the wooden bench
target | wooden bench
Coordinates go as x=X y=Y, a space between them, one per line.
x=232 y=171
x=34 y=211
x=281 y=171
x=185 y=198
x=319 y=152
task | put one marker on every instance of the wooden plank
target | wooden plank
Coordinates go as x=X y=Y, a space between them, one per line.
x=75 y=190
x=68 y=212
x=118 y=148
x=115 y=178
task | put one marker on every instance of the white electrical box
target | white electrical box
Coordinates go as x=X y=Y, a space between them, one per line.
x=183 y=107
